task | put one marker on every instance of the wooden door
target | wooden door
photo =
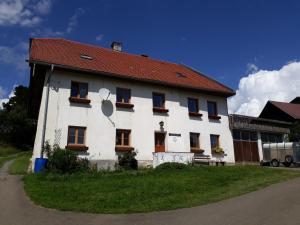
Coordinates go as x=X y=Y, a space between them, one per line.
x=246 y=151
x=159 y=142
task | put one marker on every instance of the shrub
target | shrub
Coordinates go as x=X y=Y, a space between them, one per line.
x=171 y=166
x=66 y=161
x=128 y=161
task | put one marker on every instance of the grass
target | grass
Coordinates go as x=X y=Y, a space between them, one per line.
x=148 y=190
x=7 y=150
x=7 y=153
x=20 y=164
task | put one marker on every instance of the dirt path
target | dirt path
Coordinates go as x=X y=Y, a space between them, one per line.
x=278 y=204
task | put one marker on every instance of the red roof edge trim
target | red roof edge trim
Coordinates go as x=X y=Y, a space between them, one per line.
x=201 y=74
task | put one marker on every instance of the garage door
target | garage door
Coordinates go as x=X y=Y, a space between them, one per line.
x=245 y=146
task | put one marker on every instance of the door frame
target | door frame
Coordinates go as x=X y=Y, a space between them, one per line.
x=165 y=135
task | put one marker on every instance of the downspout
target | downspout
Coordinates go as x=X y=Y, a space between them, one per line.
x=46 y=110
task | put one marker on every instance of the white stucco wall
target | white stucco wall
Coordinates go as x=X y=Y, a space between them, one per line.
x=102 y=120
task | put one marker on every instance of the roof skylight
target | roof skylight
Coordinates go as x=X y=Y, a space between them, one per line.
x=83 y=56
x=178 y=74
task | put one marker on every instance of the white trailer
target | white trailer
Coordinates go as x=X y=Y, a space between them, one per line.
x=285 y=153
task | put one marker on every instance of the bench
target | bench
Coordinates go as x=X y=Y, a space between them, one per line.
x=201 y=159
x=206 y=160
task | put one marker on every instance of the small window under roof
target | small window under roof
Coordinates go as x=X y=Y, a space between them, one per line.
x=178 y=74
x=84 y=56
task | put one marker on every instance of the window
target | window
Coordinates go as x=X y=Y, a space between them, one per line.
x=245 y=135
x=214 y=141
x=159 y=103
x=79 y=90
x=123 y=95
x=212 y=109
x=76 y=138
x=122 y=137
x=194 y=140
x=236 y=135
x=271 y=138
x=76 y=135
x=158 y=100
x=253 y=136
x=193 y=105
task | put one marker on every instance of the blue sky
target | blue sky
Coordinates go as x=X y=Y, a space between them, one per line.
x=227 y=40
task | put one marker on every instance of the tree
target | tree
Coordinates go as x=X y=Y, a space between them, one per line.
x=15 y=126
x=294 y=135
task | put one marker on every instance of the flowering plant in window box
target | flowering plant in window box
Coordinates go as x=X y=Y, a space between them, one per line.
x=217 y=150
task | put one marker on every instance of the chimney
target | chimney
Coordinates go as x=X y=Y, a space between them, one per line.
x=116 y=46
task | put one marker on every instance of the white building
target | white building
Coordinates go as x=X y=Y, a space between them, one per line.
x=100 y=102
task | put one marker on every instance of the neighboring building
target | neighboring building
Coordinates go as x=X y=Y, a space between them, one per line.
x=272 y=126
x=101 y=102
x=250 y=133
x=283 y=111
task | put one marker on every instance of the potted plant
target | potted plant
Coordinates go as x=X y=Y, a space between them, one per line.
x=217 y=150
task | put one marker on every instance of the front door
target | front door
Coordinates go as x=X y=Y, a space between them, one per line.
x=159 y=141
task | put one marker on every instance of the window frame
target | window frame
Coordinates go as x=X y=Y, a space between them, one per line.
x=196 y=113
x=218 y=141
x=122 y=97
x=78 y=99
x=160 y=109
x=122 y=147
x=123 y=104
x=216 y=114
x=197 y=105
x=197 y=147
x=76 y=145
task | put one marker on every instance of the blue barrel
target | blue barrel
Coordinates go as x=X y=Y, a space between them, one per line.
x=40 y=164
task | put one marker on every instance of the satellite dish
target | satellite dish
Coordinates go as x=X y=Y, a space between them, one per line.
x=104 y=94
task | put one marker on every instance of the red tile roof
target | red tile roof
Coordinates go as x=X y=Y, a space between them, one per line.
x=65 y=53
x=289 y=108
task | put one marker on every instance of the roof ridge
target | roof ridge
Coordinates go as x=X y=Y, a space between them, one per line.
x=122 y=52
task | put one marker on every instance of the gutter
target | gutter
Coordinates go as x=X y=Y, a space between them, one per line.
x=46 y=110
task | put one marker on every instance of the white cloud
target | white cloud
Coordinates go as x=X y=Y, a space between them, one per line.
x=49 y=32
x=99 y=37
x=15 y=56
x=263 y=85
x=43 y=7
x=25 y=13
x=251 y=68
x=2 y=99
x=74 y=20
x=3 y=93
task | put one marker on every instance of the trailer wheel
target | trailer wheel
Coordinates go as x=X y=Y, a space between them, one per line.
x=275 y=163
x=288 y=159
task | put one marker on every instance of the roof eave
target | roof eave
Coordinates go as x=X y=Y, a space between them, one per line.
x=190 y=88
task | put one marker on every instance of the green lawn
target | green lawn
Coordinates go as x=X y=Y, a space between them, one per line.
x=148 y=190
x=7 y=153
x=20 y=164
x=6 y=150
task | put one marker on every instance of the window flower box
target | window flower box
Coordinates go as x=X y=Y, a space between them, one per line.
x=79 y=100
x=197 y=150
x=124 y=105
